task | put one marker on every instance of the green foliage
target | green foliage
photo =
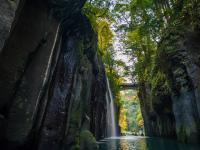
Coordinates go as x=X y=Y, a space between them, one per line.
x=101 y=20
x=130 y=110
x=87 y=141
x=159 y=82
x=143 y=26
x=149 y=21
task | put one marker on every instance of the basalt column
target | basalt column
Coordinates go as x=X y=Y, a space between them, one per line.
x=52 y=81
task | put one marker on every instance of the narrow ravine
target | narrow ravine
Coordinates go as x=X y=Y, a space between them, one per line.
x=99 y=75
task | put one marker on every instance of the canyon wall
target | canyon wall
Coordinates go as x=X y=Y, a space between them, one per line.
x=170 y=101
x=52 y=82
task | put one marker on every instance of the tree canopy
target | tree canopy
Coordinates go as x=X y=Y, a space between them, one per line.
x=139 y=26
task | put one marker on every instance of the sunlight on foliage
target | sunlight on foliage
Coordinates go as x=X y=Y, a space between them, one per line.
x=122 y=119
x=101 y=21
x=130 y=110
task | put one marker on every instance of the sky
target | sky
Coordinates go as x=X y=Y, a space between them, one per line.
x=118 y=36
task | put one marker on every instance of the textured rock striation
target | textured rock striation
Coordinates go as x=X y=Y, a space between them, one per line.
x=157 y=111
x=170 y=102
x=183 y=73
x=52 y=82
x=7 y=17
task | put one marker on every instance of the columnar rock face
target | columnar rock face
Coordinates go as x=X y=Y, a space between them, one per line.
x=157 y=111
x=51 y=80
x=170 y=102
x=7 y=17
x=183 y=72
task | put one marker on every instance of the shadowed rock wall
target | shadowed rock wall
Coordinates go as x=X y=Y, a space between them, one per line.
x=51 y=80
x=170 y=102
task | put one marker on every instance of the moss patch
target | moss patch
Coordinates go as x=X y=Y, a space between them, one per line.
x=87 y=141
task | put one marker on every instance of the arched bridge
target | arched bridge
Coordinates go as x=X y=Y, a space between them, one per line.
x=128 y=86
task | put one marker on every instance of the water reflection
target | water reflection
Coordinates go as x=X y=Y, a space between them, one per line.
x=141 y=143
x=123 y=144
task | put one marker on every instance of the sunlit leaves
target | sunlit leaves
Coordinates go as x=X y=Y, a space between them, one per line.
x=139 y=119
x=101 y=19
x=122 y=119
x=131 y=109
x=104 y=35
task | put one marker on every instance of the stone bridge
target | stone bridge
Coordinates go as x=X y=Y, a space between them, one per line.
x=128 y=86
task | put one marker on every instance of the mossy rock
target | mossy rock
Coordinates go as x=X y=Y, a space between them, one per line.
x=75 y=147
x=87 y=141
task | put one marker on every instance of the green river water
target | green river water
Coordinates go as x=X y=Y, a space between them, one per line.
x=143 y=143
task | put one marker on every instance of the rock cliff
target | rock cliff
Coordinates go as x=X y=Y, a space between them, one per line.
x=170 y=101
x=52 y=82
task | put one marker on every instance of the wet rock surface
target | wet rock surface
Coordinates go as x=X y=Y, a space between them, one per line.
x=170 y=102
x=49 y=72
x=157 y=111
x=183 y=73
x=7 y=15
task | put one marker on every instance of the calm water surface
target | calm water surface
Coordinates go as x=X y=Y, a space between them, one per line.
x=143 y=143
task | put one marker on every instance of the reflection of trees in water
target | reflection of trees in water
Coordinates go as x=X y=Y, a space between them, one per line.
x=124 y=145
x=138 y=143
x=141 y=144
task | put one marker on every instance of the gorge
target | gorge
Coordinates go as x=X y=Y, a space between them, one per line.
x=59 y=84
